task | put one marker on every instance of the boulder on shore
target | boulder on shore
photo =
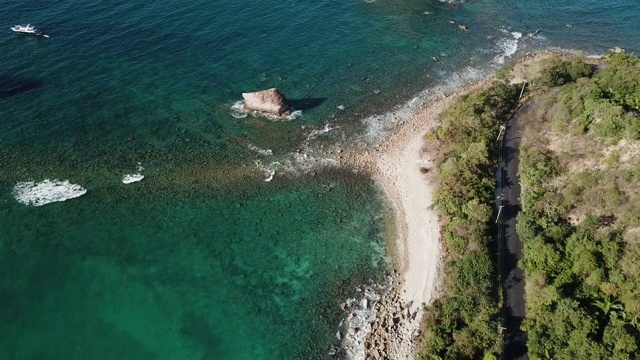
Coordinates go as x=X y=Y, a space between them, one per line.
x=269 y=101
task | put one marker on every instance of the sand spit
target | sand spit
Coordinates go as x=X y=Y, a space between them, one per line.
x=396 y=165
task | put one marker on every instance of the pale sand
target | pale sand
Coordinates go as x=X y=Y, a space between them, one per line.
x=395 y=165
x=411 y=194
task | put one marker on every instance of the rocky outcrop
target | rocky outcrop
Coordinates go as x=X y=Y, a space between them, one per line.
x=395 y=332
x=379 y=326
x=269 y=101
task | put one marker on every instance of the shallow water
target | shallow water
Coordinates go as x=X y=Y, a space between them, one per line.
x=202 y=258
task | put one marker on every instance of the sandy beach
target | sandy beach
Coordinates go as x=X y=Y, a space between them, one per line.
x=396 y=165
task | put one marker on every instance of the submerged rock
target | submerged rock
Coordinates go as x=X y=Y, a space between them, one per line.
x=269 y=101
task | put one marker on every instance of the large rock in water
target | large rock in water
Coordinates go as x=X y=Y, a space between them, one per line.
x=270 y=101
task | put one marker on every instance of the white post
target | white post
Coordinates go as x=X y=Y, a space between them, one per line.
x=500 y=133
x=522 y=91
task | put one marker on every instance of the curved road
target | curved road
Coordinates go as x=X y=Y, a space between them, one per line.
x=515 y=340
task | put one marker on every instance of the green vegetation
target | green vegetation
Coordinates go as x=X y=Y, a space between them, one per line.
x=580 y=224
x=558 y=71
x=464 y=324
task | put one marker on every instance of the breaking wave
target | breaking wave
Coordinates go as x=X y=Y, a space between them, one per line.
x=263 y=152
x=507 y=47
x=238 y=112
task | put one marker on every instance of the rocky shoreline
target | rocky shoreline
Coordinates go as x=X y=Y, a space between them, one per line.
x=395 y=331
x=379 y=324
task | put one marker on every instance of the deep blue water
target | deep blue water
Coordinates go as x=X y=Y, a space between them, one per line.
x=203 y=259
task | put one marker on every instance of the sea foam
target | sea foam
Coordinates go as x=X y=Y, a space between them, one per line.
x=507 y=47
x=315 y=133
x=131 y=178
x=268 y=170
x=45 y=192
x=378 y=127
x=263 y=152
x=238 y=112
x=357 y=325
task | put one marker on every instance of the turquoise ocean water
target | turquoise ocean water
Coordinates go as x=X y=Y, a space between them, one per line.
x=202 y=259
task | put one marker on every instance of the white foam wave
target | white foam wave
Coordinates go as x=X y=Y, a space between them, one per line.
x=357 y=324
x=296 y=164
x=507 y=47
x=315 y=133
x=294 y=115
x=268 y=170
x=238 y=112
x=47 y=191
x=263 y=152
x=377 y=127
x=302 y=162
x=270 y=174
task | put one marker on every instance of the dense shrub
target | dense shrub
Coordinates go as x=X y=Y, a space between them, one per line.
x=559 y=71
x=582 y=273
x=620 y=81
x=582 y=284
x=464 y=323
x=605 y=105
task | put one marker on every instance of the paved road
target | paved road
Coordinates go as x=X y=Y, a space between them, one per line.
x=512 y=275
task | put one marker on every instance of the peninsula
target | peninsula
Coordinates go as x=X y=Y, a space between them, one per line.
x=578 y=224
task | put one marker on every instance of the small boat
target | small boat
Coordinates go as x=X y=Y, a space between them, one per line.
x=26 y=29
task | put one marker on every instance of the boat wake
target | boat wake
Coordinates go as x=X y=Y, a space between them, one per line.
x=131 y=178
x=46 y=192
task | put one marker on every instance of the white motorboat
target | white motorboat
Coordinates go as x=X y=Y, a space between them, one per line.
x=26 y=29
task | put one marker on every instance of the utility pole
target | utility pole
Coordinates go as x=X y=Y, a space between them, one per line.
x=502 y=128
x=499 y=211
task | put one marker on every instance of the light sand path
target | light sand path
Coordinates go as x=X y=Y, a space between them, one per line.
x=395 y=165
x=411 y=193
